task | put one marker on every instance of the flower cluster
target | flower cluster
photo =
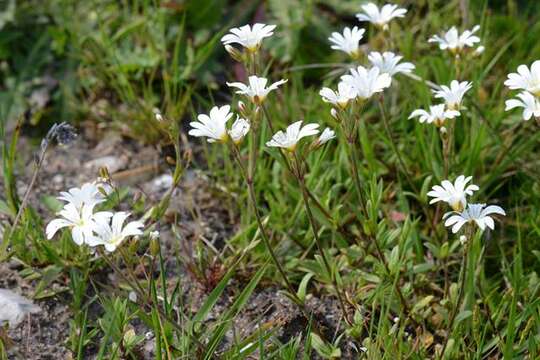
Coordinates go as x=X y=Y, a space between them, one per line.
x=363 y=82
x=289 y=139
x=214 y=125
x=528 y=81
x=90 y=227
x=455 y=194
x=452 y=96
x=458 y=43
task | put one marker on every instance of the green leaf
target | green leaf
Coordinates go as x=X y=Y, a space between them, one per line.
x=422 y=303
x=463 y=315
x=303 y=286
x=327 y=351
x=225 y=320
x=52 y=203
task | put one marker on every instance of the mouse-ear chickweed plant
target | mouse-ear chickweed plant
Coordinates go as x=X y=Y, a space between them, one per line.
x=353 y=196
x=367 y=82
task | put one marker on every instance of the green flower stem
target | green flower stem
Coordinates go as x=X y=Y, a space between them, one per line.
x=148 y=301
x=353 y=161
x=351 y=140
x=394 y=146
x=301 y=181
x=316 y=201
x=262 y=229
x=463 y=277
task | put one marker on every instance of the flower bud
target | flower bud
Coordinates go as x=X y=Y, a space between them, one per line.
x=241 y=106
x=334 y=114
x=479 y=50
x=154 y=243
x=157 y=115
x=462 y=239
x=235 y=54
x=443 y=131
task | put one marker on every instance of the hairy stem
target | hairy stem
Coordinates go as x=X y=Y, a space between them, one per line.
x=394 y=146
x=301 y=181
x=463 y=277
x=262 y=229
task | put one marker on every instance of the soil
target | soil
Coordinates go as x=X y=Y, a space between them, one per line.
x=204 y=215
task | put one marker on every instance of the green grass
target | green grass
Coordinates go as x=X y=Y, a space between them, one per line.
x=386 y=261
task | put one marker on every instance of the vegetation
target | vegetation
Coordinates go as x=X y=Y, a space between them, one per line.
x=345 y=220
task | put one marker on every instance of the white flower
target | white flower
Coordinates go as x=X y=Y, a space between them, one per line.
x=239 y=129
x=249 y=37
x=341 y=97
x=453 y=95
x=367 y=82
x=388 y=63
x=437 y=114
x=525 y=79
x=348 y=41
x=213 y=126
x=380 y=17
x=327 y=135
x=477 y=213
x=530 y=105
x=256 y=90
x=112 y=235
x=454 y=194
x=289 y=139
x=82 y=222
x=455 y=42
x=88 y=194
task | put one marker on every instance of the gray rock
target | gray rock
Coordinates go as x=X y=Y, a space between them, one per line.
x=112 y=163
x=14 y=308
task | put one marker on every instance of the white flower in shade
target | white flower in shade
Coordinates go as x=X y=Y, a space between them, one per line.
x=256 y=90
x=437 y=115
x=367 y=82
x=82 y=222
x=380 y=17
x=327 y=135
x=348 y=41
x=454 y=194
x=249 y=37
x=341 y=97
x=530 y=105
x=239 y=129
x=453 y=95
x=289 y=139
x=474 y=213
x=111 y=233
x=212 y=126
x=388 y=63
x=525 y=79
x=88 y=194
x=455 y=42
